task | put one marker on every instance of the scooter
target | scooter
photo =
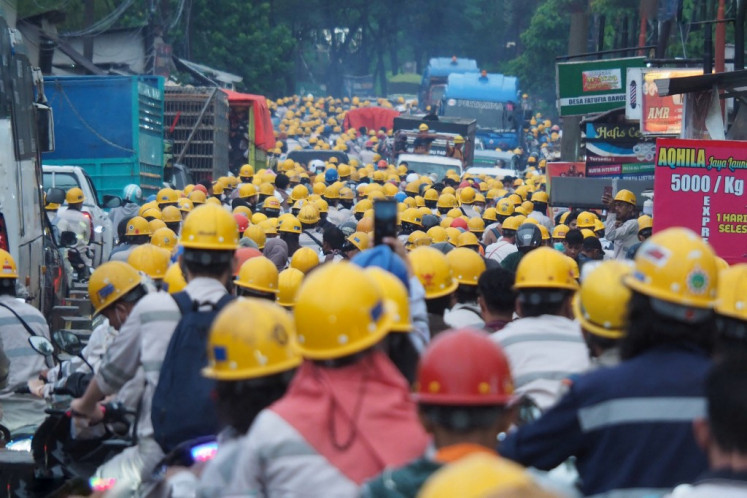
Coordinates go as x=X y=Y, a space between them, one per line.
x=81 y=270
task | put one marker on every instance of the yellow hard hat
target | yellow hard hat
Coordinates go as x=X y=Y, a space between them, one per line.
x=299 y=192
x=598 y=225
x=467 y=239
x=137 y=225
x=107 y=284
x=309 y=214
x=259 y=274
x=528 y=206
x=304 y=259
x=512 y=223
x=152 y=213
x=197 y=197
x=173 y=280
x=270 y=226
x=257 y=234
x=504 y=207
x=431 y=195
x=393 y=288
x=413 y=216
x=210 y=227
x=545 y=232
x=453 y=234
x=490 y=215
x=481 y=475
x=585 y=219
x=218 y=188
x=258 y=218
x=437 y=234
x=251 y=338
x=171 y=214
x=321 y=205
x=732 y=292
x=362 y=206
x=446 y=200
x=289 y=281
x=455 y=213
x=74 y=196
x=360 y=240
x=587 y=232
x=601 y=304
x=247 y=190
x=271 y=203
x=167 y=196
x=246 y=171
x=476 y=225
x=545 y=268
x=185 y=205
x=156 y=224
x=467 y=195
x=331 y=192
x=458 y=139
x=417 y=238
x=645 y=221
x=165 y=238
x=559 y=231
x=434 y=272
x=423 y=127
x=625 y=196
x=677 y=266
x=9 y=269
x=243 y=210
x=466 y=265
x=540 y=196
x=150 y=259
x=290 y=224
x=340 y=311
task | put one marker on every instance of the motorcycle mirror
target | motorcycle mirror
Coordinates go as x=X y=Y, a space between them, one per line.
x=68 y=342
x=55 y=195
x=112 y=201
x=41 y=345
x=68 y=239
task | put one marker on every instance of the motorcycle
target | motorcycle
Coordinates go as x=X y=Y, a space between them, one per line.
x=81 y=270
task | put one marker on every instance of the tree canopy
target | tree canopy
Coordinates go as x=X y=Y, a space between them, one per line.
x=275 y=45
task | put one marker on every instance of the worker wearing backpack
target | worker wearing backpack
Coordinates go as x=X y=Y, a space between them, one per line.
x=209 y=237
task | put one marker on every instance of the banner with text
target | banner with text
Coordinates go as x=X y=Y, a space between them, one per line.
x=662 y=115
x=592 y=86
x=699 y=184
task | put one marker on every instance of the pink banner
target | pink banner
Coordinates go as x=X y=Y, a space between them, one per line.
x=699 y=184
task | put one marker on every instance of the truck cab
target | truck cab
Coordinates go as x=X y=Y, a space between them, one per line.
x=489 y=98
x=102 y=234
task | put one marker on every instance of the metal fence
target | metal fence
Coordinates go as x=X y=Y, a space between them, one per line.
x=206 y=156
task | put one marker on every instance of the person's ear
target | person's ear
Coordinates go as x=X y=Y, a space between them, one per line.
x=702 y=433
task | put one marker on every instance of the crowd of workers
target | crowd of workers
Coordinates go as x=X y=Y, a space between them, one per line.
x=493 y=347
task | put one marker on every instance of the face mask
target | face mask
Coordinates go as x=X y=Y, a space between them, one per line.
x=559 y=246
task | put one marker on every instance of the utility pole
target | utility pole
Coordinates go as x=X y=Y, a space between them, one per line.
x=571 y=141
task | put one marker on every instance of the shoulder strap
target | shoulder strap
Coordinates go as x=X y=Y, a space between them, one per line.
x=313 y=238
x=23 y=322
x=184 y=302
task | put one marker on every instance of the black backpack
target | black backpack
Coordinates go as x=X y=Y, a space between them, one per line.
x=183 y=407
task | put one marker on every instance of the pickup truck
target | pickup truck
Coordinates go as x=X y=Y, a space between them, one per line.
x=102 y=234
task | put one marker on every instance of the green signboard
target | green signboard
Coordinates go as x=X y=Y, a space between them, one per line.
x=589 y=87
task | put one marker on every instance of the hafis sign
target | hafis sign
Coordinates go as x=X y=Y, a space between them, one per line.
x=700 y=184
x=592 y=87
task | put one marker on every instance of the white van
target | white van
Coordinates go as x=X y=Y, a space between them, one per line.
x=67 y=177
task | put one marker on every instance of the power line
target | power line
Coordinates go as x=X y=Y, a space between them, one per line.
x=104 y=23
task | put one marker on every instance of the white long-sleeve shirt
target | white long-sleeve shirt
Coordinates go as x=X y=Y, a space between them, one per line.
x=623 y=237
x=543 y=351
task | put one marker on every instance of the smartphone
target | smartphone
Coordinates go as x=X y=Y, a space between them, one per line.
x=608 y=190
x=385 y=220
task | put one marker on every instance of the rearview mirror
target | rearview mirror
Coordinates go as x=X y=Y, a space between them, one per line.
x=41 y=345
x=112 y=201
x=56 y=195
x=68 y=342
x=45 y=127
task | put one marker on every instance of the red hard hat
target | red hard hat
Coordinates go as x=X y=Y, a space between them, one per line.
x=242 y=221
x=242 y=255
x=382 y=164
x=459 y=223
x=201 y=188
x=464 y=367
